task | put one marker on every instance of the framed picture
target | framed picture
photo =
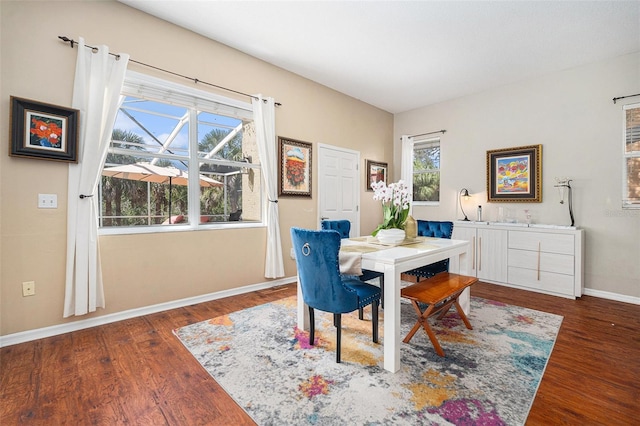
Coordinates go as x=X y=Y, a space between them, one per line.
x=294 y=171
x=43 y=131
x=376 y=172
x=515 y=174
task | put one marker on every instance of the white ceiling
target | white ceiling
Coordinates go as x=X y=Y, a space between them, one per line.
x=401 y=55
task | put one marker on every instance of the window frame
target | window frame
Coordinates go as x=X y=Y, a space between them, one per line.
x=626 y=203
x=156 y=89
x=416 y=145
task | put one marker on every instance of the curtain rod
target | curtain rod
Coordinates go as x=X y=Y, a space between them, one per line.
x=622 y=97
x=428 y=133
x=195 y=80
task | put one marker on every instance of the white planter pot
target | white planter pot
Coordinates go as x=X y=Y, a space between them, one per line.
x=391 y=236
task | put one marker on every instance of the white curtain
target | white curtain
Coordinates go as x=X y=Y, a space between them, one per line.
x=96 y=94
x=406 y=166
x=265 y=122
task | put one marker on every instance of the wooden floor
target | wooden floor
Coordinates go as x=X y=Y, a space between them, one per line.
x=136 y=372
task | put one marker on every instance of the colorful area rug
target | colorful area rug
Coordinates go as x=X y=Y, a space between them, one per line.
x=489 y=376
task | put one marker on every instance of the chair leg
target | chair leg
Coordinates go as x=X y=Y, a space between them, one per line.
x=374 y=312
x=360 y=314
x=312 y=328
x=337 y=321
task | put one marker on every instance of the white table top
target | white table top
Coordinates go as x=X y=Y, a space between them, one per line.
x=388 y=254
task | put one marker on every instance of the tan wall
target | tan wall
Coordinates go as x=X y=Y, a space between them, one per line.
x=142 y=270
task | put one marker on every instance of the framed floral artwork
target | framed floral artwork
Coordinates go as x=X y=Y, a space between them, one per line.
x=43 y=131
x=515 y=174
x=294 y=170
x=376 y=172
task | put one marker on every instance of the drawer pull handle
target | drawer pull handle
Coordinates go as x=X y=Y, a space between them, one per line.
x=479 y=253
x=473 y=253
x=539 y=260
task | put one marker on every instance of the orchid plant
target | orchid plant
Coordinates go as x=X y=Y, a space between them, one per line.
x=395 y=200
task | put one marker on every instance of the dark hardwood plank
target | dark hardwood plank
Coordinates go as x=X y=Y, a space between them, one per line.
x=137 y=372
x=593 y=375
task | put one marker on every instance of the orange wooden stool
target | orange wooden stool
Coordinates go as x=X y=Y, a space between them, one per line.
x=439 y=292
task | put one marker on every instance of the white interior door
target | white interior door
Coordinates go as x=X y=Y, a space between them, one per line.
x=338 y=185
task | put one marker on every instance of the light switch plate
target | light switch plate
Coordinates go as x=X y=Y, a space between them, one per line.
x=47 y=201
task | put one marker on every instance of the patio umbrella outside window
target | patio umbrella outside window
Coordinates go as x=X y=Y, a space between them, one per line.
x=147 y=172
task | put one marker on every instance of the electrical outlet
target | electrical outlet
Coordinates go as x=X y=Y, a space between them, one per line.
x=28 y=288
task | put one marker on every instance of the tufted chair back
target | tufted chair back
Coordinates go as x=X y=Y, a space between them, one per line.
x=437 y=229
x=433 y=228
x=319 y=271
x=342 y=226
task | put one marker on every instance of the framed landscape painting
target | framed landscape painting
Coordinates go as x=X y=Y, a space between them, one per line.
x=515 y=174
x=376 y=172
x=43 y=131
x=294 y=167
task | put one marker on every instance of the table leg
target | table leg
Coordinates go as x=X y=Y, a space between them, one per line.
x=392 y=336
x=465 y=298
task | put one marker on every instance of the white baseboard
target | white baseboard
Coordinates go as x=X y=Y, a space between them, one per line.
x=41 y=333
x=54 y=330
x=612 y=296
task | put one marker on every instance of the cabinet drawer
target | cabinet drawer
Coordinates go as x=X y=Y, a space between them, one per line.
x=549 y=262
x=550 y=243
x=549 y=282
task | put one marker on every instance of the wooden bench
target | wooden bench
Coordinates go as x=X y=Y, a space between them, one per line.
x=439 y=292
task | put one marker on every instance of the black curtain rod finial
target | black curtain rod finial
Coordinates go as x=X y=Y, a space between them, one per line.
x=67 y=40
x=623 y=97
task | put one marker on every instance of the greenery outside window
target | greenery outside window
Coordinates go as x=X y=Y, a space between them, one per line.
x=631 y=158
x=426 y=171
x=180 y=157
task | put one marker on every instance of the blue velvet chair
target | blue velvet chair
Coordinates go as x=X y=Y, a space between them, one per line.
x=322 y=285
x=432 y=228
x=344 y=228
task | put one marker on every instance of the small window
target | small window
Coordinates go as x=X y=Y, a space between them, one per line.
x=164 y=135
x=631 y=161
x=426 y=171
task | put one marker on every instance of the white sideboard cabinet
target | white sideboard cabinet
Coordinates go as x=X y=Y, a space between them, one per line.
x=488 y=260
x=543 y=258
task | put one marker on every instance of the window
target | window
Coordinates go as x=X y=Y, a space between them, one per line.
x=426 y=171
x=631 y=165
x=165 y=134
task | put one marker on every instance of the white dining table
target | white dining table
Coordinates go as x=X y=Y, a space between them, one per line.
x=393 y=261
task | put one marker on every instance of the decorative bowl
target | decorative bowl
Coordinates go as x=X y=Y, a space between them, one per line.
x=391 y=236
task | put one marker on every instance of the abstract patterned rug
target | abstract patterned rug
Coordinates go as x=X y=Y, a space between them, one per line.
x=489 y=376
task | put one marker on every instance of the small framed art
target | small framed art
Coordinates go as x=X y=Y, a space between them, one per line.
x=43 y=131
x=515 y=174
x=376 y=172
x=294 y=167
